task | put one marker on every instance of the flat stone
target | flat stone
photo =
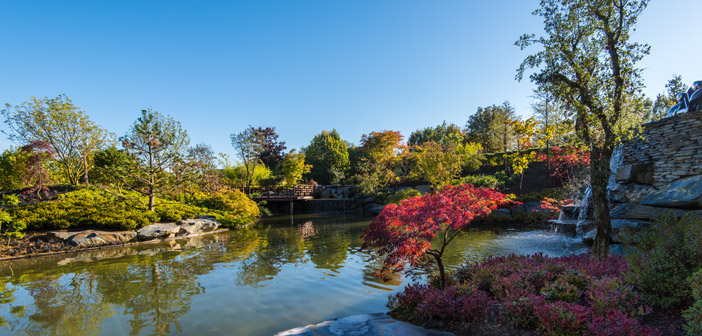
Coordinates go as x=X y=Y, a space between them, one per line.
x=363 y=325
x=92 y=238
x=681 y=193
x=158 y=231
x=58 y=235
x=196 y=226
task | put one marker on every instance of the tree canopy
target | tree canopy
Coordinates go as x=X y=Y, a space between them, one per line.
x=588 y=60
x=72 y=136
x=329 y=157
x=421 y=227
x=155 y=143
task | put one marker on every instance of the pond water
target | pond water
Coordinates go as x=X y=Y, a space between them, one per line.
x=283 y=273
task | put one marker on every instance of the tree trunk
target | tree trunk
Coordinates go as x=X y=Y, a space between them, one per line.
x=85 y=170
x=152 y=179
x=548 y=160
x=442 y=274
x=599 y=177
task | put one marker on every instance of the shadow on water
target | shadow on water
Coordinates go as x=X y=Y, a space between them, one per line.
x=283 y=273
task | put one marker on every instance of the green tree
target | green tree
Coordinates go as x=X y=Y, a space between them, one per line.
x=664 y=101
x=13 y=166
x=294 y=167
x=329 y=158
x=382 y=154
x=71 y=134
x=445 y=135
x=471 y=157
x=239 y=176
x=436 y=165
x=553 y=125
x=249 y=145
x=588 y=59
x=155 y=143
x=110 y=167
x=203 y=161
x=491 y=127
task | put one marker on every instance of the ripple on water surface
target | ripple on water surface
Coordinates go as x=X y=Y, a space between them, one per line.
x=284 y=273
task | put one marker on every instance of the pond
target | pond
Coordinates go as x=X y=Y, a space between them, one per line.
x=285 y=272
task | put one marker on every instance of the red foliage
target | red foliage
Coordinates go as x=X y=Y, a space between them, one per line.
x=403 y=233
x=573 y=295
x=565 y=161
x=36 y=175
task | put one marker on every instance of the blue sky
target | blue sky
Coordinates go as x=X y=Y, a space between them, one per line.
x=300 y=66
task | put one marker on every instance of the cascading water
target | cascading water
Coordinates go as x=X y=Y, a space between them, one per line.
x=584 y=205
x=614 y=163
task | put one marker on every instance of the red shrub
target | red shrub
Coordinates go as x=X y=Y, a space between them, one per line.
x=562 y=318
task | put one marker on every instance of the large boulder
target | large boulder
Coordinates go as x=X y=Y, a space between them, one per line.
x=635 y=173
x=196 y=226
x=92 y=238
x=681 y=193
x=424 y=189
x=629 y=193
x=158 y=231
x=638 y=211
x=622 y=231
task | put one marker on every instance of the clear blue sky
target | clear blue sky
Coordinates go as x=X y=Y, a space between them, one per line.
x=300 y=66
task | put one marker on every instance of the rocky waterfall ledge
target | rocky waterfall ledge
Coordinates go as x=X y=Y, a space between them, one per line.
x=659 y=172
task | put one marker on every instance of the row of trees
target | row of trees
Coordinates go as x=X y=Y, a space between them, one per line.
x=60 y=144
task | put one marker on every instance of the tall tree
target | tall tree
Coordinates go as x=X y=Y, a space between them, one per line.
x=444 y=135
x=155 y=143
x=329 y=157
x=72 y=136
x=249 y=145
x=587 y=57
x=203 y=161
x=435 y=164
x=273 y=150
x=664 y=101
x=491 y=127
x=293 y=167
x=381 y=155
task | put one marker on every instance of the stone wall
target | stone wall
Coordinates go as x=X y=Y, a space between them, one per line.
x=659 y=172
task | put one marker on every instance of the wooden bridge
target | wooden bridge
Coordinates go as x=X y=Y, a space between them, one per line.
x=297 y=193
x=284 y=194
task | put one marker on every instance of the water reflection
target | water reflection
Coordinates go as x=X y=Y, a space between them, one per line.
x=278 y=275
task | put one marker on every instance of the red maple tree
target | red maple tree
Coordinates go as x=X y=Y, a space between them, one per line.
x=405 y=234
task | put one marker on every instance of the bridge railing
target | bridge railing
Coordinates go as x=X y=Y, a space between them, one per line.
x=300 y=191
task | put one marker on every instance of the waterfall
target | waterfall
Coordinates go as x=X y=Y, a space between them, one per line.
x=584 y=205
x=614 y=163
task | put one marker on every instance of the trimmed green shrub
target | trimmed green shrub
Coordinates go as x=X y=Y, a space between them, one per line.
x=83 y=208
x=481 y=181
x=125 y=211
x=402 y=195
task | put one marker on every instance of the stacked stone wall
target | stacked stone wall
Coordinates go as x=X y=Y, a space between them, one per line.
x=672 y=147
x=660 y=171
